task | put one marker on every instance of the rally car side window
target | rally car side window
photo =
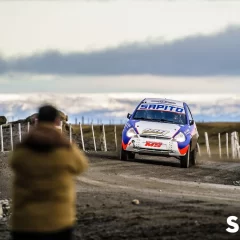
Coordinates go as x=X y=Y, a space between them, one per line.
x=189 y=113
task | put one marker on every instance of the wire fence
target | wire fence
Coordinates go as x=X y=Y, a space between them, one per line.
x=104 y=137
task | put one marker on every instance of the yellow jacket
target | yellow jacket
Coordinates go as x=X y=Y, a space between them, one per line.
x=43 y=188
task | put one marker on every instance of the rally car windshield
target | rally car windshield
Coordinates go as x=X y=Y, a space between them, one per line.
x=160 y=116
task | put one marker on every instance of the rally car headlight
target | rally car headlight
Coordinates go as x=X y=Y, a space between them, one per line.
x=131 y=132
x=180 y=137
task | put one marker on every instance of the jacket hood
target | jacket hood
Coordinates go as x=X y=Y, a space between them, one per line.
x=44 y=137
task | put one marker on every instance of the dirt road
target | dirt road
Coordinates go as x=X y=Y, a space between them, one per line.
x=174 y=203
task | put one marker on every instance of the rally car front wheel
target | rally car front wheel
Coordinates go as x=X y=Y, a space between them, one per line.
x=125 y=155
x=193 y=157
x=185 y=160
x=189 y=159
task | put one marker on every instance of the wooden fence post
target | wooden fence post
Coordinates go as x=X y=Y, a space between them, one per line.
x=237 y=145
x=81 y=131
x=20 y=132
x=11 y=136
x=219 y=145
x=115 y=135
x=199 y=150
x=94 y=141
x=104 y=138
x=227 y=150
x=233 y=145
x=207 y=144
x=1 y=133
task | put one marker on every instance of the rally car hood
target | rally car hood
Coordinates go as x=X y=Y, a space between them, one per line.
x=156 y=128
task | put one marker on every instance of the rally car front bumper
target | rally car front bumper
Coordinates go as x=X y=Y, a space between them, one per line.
x=150 y=146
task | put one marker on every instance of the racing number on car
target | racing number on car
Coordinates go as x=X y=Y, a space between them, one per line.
x=153 y=144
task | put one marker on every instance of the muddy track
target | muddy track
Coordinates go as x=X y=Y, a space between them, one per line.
x=175 y=203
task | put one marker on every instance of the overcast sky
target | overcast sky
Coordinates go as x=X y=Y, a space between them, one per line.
x=28 y=27
x=161 y=47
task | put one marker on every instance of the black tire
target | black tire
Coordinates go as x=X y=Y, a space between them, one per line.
x=189 y=159
x=193 y=157
x=125 y=155
x=131 y=155
x=185 y=160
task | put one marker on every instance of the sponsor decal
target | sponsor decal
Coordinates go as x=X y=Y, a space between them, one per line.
x=127 y=125
x=160 y=132
x=163 y=101
x=187 y=132
x=153 y=144
x=161 y=107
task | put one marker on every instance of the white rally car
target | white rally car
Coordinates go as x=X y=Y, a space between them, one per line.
x=161 y=127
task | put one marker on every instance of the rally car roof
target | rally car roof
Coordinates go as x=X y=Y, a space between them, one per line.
x=163 y=100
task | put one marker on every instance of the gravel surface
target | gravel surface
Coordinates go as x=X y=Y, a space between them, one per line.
x=149 y=198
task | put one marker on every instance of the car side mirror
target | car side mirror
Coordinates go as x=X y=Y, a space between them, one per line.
x=128 y=115
x=191 y=122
